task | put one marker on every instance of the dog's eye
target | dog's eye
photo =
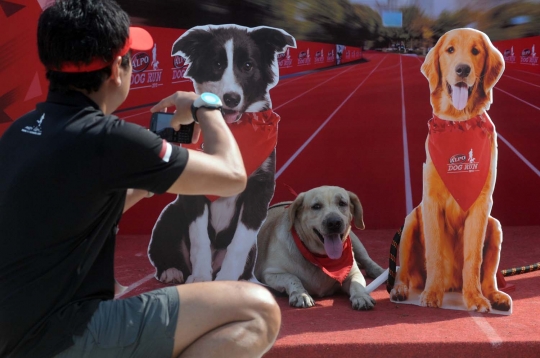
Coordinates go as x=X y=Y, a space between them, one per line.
x=342 y=203
x=316 y=207
x=475 y=51
x=450 y=49
x=218 y=65
x=248 y=66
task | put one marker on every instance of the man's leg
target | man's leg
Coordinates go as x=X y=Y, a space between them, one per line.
x=225 y=318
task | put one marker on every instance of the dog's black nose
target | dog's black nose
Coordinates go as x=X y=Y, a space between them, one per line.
x=231 y=99
x=463 y=70
x=334 y=224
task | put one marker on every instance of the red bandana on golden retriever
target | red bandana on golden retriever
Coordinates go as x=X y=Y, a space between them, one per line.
x=447 y=245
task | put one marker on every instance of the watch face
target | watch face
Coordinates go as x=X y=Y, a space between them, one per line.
x=211 y=99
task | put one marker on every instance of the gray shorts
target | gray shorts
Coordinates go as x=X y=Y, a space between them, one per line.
x=140 y=326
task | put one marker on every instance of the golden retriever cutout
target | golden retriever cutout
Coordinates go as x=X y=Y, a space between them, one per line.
x=447 y=244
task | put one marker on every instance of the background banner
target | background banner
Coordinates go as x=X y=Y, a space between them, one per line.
x=520 y=54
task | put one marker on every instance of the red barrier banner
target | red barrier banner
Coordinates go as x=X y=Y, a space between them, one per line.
x=520 y=54
x=347 y=54
x=307 y=56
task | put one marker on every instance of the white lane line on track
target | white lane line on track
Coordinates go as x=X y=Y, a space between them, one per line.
x=406 y=166
x=517 y=79
x=520 y=156
x=529 y=73
x=311 y=89
x=519 y=99
x=488 y=330
x=516 y=152
x=293 y=157
x=135 y=285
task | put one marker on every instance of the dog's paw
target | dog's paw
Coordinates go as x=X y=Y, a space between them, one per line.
x=199 y=278
x=431 y=298
x=172 y=275
x=301 y=300
x=363 y=302
x=400 y=292
x=500 y=301
x=476 y=302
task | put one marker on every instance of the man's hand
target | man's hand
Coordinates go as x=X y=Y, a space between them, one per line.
x=182 y=101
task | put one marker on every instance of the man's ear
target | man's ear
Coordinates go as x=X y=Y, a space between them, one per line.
x=115 y=71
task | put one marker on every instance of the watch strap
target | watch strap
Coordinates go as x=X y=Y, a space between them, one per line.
x=194 y=111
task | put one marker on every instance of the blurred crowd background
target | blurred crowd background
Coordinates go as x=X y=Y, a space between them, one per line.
x=350 y=22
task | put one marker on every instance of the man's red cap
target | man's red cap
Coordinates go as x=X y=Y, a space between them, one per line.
x=139 y=40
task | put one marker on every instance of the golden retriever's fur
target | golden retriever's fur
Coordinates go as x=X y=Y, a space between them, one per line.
x=280 y=264
x=444 y=248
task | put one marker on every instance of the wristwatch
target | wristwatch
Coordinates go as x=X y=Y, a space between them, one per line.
x=206 y=100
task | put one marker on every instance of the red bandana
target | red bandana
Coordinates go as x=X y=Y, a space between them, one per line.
x=337 y=269
x=461 y=153
x=256 y=135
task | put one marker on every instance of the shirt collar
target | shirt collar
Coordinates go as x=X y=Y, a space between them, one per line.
x=71 y=98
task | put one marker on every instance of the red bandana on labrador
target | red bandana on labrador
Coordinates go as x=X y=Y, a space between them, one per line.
x=256 y=135
x=338 y=269
x=461 y=153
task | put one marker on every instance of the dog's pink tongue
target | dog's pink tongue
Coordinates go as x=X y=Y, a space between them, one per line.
x=460 y=94
x=333 y=246
x=230 y=117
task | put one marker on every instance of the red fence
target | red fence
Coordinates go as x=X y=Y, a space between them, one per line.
x=520 y=54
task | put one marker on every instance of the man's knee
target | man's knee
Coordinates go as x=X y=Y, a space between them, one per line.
x=265 y=309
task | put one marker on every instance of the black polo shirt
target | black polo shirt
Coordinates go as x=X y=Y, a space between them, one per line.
x=64 y=171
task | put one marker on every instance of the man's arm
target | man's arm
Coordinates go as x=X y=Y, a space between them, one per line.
x=219 y=170
x=133 y=196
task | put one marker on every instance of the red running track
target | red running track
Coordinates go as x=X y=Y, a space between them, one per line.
x=363 y=127
x=371 y=120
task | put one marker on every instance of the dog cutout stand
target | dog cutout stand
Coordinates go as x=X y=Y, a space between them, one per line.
x=203 y=238
x=450 y=245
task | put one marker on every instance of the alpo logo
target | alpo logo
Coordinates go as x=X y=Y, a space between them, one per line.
x=140 y=61
x=178 y=61
x=458 y=158
x=526 y=52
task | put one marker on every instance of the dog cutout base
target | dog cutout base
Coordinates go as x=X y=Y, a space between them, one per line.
x=450 y=244
x=203 y=238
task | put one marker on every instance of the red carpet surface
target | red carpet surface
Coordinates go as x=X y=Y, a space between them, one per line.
x=333 y=329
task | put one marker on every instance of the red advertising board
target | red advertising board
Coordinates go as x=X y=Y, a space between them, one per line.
x=520 y=54
x=307 y=56
x=347 y=54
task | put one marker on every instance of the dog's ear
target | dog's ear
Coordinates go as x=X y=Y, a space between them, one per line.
x=493 y=67
x=188 y=44
x=293 y=209
x=276 y=39
x=431 y=68
x=356 y=209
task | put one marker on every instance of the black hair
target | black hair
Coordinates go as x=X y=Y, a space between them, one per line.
x=80 y=31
